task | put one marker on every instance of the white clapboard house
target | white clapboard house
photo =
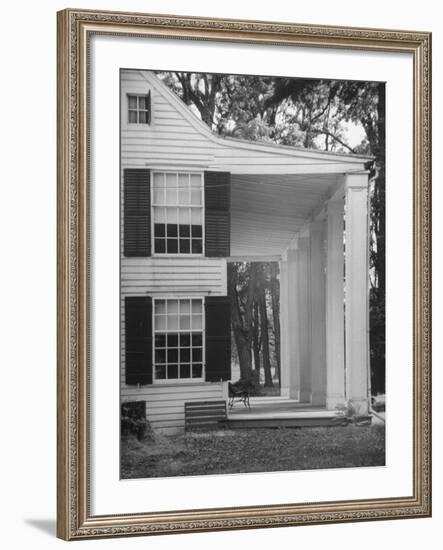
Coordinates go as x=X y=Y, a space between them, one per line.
x=192 y=201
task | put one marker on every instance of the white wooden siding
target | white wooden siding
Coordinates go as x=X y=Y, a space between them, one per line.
x=177 y=137
x=156 y=275
x=165 y=403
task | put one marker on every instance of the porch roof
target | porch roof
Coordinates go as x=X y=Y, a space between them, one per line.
x=268 y=210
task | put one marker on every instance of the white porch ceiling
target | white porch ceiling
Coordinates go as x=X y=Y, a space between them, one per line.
x=268 y=210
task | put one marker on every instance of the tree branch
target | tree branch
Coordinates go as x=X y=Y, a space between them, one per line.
x=333 y=136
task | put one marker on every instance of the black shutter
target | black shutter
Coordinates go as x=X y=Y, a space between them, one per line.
x=138 y=330
x=218 y=338
x=217 y=214
x=148 y=107
x=137 y=212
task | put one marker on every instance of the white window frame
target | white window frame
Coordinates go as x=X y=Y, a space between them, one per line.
x=137 y=110
x=202 y=206
x=181 y=381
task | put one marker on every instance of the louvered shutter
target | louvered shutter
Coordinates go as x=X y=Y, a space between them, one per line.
x=217 y=214
x=138 y=331
x=137 y=212
x=218 y=338
x=148 y=107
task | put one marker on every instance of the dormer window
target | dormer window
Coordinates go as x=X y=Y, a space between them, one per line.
x=139 y=108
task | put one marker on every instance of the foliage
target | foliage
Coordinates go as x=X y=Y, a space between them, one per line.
x=260 y=450
x=306 y=113
x=133 y=420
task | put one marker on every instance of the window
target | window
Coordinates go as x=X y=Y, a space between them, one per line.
x=177 y=202
x=178 y=339
x=139 y=108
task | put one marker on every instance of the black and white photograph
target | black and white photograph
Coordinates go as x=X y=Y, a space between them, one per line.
x=252 y=273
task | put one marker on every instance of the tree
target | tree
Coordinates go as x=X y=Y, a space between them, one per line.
x=306 y=113
x=264 y=327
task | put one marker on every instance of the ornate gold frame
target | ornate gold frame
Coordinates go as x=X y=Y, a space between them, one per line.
x=74 y=29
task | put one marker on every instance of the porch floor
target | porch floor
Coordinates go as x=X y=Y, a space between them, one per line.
x=279 y=412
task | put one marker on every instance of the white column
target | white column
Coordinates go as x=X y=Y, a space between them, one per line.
x=335 y=327
x=292 y=328
x=284 y=324
x=318 y=313
x=304 y=318
x=356 y=291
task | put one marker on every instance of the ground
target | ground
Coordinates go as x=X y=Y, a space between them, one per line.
x=257 y=450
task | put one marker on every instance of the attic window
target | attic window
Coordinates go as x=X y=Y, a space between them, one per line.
x=139 y=108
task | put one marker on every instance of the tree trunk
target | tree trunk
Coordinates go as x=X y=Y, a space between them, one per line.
x=275 y=300
x=265 y=337
x=256 y=343
x=241 y=335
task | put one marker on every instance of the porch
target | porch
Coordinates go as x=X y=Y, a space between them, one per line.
x=315 y=225
x=280 y=412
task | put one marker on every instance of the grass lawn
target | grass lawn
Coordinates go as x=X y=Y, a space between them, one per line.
x=253 y=450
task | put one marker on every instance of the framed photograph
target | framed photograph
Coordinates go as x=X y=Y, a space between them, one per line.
x=243 y=274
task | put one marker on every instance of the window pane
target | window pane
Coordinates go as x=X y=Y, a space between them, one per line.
x=160 y=356
x=185 y=322
x=172 y=356
x=159 y=195
x=172 y=340
x=196 y=196
x=185 y=306
x=172 y=371
x=184 y=216
x=184 y=230
x=172 y=230
x=132 y=101
x=172 y=246
x=142 y=102
x=197 y=231
x=197 y=371
x=160 y=373
x=197 y=322
x=160 y=340
x=196 y=216
x=185 y=340
x=159 y=230
x=143 y=117
x=172 y=215
x=172 y=306
x=159 y=214
x=172 y=322
x=160 y=307
x=132 y=116
x=160 y=322
x=196 y=181
x=159 y=179
x=183 y=189
x=159 y=245
x=171 y=188
x=185 y=355
x=185 y=246
x=196 y=246
x=197 y=339
x=185 y=371
x=197 y=306
x=196 y=355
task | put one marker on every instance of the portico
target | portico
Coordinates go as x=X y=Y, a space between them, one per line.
x=316 y=226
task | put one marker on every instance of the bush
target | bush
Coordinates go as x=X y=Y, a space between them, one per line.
x=134 y=421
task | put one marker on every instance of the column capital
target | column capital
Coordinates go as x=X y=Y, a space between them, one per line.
x=357 y=181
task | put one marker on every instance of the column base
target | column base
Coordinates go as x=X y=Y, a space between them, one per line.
x=318 y=399
x=359 y=406
x=294 y=393
x=332 y=402
x=305 y=396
